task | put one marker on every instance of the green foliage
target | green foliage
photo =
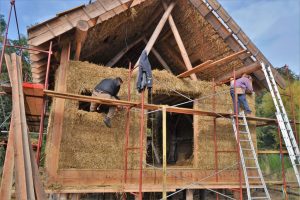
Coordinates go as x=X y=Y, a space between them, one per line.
x=268 y=135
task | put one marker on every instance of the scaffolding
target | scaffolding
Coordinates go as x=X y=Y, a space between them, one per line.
x=144 y=106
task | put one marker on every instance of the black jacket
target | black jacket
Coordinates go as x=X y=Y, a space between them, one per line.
x=110 y=86
x=145 y=74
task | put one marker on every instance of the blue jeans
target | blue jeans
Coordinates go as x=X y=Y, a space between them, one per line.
x=241 y=101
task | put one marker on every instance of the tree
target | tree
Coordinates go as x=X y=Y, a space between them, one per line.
x=268 y=136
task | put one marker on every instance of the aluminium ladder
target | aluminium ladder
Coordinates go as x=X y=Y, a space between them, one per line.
x=283 y=121
x=253 y=176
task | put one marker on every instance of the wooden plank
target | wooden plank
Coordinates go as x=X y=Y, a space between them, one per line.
x=180 y=44
x=8 y=167
x=58 y=106
x=172 y=109
x=246 y=69
x=25 y=137
x=203 y=67
x=157 y=31
x=20 y=177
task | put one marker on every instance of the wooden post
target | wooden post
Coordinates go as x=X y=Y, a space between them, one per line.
x=58 y=105
x=164 y=125
x=157 y=31
x=180 y=44
x=196 y=135
x=189 y=194
x=80 y=35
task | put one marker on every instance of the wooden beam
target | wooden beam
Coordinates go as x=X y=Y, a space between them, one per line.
x=202 y=67
x=82 y=28
x=158 y=57
x=189 y=194
x=180 y=44
x=246 y=69
x=171 y=109
x=183 y=75
x=59 y=106
x=157 y=31
x=21 y=189
x=115 y=59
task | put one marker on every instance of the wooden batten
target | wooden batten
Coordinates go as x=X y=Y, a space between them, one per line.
x=207 y=65
x=82 y=28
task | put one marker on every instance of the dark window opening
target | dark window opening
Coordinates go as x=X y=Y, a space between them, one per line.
x=180 y=134
x=85 y=105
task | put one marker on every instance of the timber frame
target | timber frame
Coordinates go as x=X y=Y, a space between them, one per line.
x=71 y=32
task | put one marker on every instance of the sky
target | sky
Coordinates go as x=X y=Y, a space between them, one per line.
x=273 y=25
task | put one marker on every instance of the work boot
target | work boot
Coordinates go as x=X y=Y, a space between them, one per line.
x=107 y=122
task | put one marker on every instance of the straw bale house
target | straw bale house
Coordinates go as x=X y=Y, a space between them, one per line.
x=95 y=41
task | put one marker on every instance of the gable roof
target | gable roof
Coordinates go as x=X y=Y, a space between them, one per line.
x=207 y=30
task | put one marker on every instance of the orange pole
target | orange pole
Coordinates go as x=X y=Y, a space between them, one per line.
x=141 y=145
x=215 y=136
x=238 y=134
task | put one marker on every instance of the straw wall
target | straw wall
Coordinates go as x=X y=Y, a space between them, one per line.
x=224 y=131
x=88 y=144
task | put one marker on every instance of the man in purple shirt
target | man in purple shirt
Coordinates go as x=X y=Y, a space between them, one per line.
x=243 y=85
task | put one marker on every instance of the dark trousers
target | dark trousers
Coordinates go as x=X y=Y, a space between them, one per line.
x=241 y=101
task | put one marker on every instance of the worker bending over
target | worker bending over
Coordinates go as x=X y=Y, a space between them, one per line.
x=109 y=89
x=243 y=85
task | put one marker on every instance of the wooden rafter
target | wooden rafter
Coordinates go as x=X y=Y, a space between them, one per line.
x=82 y=28
x=158 y=57
x=202 y=67
x=180 y=44
x=117 y=57
x=157 y=31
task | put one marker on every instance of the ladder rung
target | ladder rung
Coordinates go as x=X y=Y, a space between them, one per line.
x=259 y=198
x=244 y=140
x=248 y=158
x=253 y=177
x=252 y=167
x=256 y=187
x=244 y=132
x=247 y=149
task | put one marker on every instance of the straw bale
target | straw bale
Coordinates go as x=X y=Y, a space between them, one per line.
x=225 y=136
x=86 y=142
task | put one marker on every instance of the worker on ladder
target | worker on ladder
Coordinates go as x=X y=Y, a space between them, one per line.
x=109 y=89
x=243 y=85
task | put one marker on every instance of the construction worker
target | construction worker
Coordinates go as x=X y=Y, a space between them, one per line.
x=243 y=85
x=107 y=88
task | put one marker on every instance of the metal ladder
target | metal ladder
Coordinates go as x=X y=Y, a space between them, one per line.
x=251 y=169
x=283 y=121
